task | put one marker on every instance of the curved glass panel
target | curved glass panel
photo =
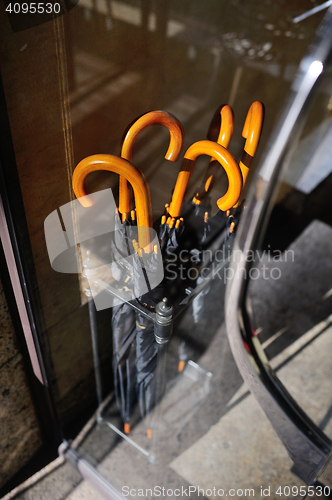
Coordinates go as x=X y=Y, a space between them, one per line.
x=290 y=292
x=274 y=285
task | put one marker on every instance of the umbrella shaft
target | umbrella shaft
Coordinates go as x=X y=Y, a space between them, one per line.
x=95 y=349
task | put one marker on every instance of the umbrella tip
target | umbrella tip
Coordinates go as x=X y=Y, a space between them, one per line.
x=149 y=433
x=181 y=365
x=127 y=428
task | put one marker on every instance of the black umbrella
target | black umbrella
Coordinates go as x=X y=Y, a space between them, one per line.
x=174 y=235
x=123 y=269
x=195 y=237
x=223 y=121
x=200 y=207
x=124 y=356
x=197 y=211
x=124 y=329
x=150 y=356
x=168 y=232
x=171 y=242
x=145 y=345
x=174 y=149
x=146 y=265
x=229 y=219
x=220 y=130
x=135 y=349
x=251 y=132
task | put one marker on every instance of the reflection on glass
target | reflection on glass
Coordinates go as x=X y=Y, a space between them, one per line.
x=290 y=295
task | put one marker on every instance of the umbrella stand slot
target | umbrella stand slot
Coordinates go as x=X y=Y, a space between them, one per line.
x=124 y=436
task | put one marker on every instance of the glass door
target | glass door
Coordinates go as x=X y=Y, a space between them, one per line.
x=73 y=86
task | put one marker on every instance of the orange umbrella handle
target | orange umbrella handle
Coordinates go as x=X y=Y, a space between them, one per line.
x=251 y=132
x=226 y=127
x=174 y=149
x=224 y=157
x=132 y=174
x=225 y=135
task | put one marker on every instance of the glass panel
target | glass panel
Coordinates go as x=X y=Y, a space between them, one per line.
x=73 y=87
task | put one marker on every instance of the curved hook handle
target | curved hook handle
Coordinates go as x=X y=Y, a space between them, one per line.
x=224 y=137
x=251 y=132
x=224 y=157
x=132 y=174
x=226 y=126
x=174 y=149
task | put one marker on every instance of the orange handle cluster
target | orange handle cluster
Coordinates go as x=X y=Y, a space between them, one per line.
x=133 y=175
x=225 y=135
x=224 y=157
x=251 y=132
x=129 y=173
x=174 y=149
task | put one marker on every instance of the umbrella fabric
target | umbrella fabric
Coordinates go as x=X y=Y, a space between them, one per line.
x=197 y=231
x=230 y=223
x=135 y=349
x=146 y=364
x=170 y=233
x=201 y=231
x=124 y=359
x=123 y=329
x=146 y=345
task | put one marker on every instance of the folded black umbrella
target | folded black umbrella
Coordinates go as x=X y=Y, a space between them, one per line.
x=124 y=328
x=145 y=266
x=201 y=229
